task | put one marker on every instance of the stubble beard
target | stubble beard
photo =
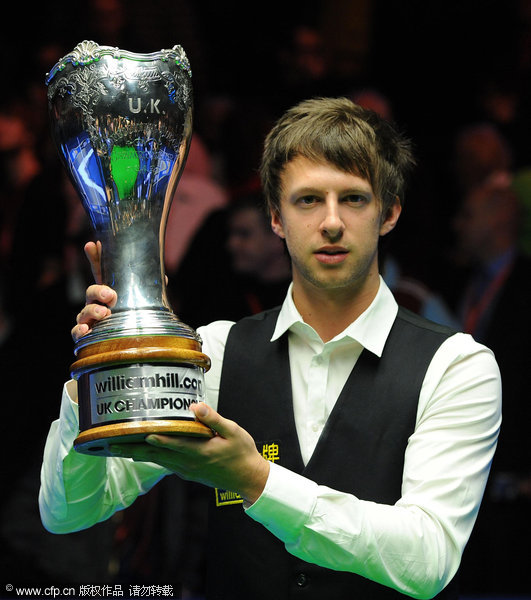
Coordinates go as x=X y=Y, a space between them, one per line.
x=323 y=278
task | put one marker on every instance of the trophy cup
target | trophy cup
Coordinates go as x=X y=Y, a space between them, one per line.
x=122 y=122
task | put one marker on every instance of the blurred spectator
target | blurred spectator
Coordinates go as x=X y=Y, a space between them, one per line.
x=19 y=166
x=197 y=195
x=258 y=256
x=487 y=226
x=504 y=102
x=413 y=294
x=480 y=150
x=495 y=309
x=375 y=100
x=106 y=21
x=236 y=266
x=304 y=59
x=245 y=124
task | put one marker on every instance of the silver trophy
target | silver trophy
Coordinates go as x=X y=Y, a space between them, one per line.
x=122 y=122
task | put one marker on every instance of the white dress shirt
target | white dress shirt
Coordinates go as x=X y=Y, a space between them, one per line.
x=414 y=546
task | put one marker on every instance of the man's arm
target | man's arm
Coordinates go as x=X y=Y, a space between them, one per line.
x=78 y=490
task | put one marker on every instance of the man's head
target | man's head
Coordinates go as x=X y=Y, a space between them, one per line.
x=255 y=250
x=337 y=131
x=487 y=223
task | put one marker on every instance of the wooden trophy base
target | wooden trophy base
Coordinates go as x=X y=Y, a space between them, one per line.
x=96 y=441
x=131 y=387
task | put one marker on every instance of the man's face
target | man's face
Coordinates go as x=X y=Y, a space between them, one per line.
x=475 y=225
x=331 y=221
x=250 y=243
x=488 y=215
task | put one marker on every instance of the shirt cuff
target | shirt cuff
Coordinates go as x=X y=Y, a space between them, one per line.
x=69 y=419
x=286 y=503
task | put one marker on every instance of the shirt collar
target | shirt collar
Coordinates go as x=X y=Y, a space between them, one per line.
x=370 y=329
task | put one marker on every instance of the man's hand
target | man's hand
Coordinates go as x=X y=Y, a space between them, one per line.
x=229 y=460
x=99 y=298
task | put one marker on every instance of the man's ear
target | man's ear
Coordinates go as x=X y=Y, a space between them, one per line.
x=390 y=218
x=276 y=224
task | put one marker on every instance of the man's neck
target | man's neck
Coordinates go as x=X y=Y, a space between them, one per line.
x=330 y=312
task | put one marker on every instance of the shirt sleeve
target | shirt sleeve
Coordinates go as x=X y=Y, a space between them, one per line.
x=414 y=546
x=78 y=490
x=213 y=340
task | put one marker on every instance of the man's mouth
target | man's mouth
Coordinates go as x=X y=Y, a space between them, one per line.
x=331 y=254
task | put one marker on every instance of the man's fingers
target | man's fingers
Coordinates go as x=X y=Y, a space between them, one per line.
x=173 y=458
x=79 y=331
x=177 y=444
x=223 y=427
x=101 y=294
x=92 y=313
x=93 y=253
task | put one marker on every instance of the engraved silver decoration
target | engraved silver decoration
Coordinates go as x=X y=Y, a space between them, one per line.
x=123 y=123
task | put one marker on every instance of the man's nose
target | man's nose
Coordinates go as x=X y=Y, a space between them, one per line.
x=332 y=224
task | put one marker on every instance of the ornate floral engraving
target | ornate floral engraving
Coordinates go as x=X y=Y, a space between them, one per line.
x=92 y=73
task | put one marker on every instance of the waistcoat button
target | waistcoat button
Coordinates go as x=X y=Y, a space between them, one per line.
x=302 y=579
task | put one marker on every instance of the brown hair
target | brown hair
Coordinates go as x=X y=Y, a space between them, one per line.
x=353 y=139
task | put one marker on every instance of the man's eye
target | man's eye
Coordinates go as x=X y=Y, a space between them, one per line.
x=308 y=200
x=355 y=199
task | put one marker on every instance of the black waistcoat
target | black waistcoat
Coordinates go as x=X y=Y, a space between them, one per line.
x=361 y=451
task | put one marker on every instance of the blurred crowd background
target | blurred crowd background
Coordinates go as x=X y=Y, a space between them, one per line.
x=455 y=76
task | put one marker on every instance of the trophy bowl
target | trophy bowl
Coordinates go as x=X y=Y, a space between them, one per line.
x=122 y=122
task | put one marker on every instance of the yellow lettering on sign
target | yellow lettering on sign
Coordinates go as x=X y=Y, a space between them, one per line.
x=226 y=497
x=270 y=452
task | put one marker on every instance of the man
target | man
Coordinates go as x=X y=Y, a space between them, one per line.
x=494 y=308
x=379 y=427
